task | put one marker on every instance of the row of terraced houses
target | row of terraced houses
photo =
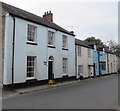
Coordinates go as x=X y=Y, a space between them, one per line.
x=35 y=48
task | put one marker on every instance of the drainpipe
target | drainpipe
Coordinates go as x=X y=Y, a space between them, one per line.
x=13 y=49
x=99 y=62
x=107 y=63
x=76 y=61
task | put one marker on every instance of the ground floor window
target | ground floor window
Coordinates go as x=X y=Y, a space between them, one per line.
x=102 y=65
x=80 y=69
x=65 y=65
x=31 y=66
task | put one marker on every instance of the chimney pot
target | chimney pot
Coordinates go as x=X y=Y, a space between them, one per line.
x=48 y=15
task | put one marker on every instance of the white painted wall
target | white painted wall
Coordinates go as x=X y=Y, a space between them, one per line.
x=112 y=61
x=7 y=77
x=41 y=51
x=1 y=48
x=84 y=60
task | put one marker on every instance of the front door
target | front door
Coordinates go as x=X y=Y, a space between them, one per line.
x=50 y=70
x=94 y=69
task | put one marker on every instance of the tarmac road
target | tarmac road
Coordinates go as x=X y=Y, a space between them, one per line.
x=98 y=93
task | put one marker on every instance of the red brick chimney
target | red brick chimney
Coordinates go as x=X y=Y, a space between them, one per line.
x=48 y=15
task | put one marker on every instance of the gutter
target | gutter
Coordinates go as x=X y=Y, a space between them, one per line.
x=13 y=49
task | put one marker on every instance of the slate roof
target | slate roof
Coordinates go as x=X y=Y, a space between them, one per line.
x=32 y=17
x=81 y=43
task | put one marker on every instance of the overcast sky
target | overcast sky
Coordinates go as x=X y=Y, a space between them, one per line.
x=97 y=18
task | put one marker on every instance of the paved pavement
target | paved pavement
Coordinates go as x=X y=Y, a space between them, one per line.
x=8 y=92
x=98 y=93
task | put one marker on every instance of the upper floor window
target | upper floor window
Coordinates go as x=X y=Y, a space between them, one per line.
x=89 y=52
x=51 y=38
x=31 y=34
x=79 y=50
x=64 y=41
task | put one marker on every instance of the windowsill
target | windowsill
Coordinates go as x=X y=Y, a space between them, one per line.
x=64 y=74
x=64 y=49
x=32 y=43
x=51 y=46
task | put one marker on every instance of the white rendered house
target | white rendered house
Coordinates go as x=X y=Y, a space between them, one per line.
x=34 y=47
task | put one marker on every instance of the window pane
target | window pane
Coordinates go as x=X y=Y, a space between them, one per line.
x=102 y=65
x=65 y=65
x=79 y=50
x=80 y=69
x=30 y=66
x=31 y=35
x=51 y=38
x=64 y=41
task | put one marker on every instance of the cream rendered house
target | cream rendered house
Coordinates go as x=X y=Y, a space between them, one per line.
x=112 y=63
x=84 y=62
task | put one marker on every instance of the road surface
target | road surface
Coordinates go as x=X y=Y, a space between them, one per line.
x=98 y=93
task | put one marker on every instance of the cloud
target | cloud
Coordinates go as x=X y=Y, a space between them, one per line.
x=97 y=18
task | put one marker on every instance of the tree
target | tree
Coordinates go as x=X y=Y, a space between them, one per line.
x=94 y=40
x=114 y=47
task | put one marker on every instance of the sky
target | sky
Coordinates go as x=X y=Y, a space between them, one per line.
x=98 y=18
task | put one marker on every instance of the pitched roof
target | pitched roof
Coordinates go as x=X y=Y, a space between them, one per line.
x=81 y=43
x=32 y=17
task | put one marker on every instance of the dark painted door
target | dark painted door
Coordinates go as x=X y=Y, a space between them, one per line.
x=94 y=69
x=50 y=70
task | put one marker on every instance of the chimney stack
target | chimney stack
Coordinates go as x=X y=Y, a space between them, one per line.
x=48 y=15
x=72 y=32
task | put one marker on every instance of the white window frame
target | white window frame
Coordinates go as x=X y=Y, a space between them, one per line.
x=31 y=64
x=51 y=36
x=64 y=42
x=30 y=31
x=65 y=66
x=79 y=51
x=80 y=69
